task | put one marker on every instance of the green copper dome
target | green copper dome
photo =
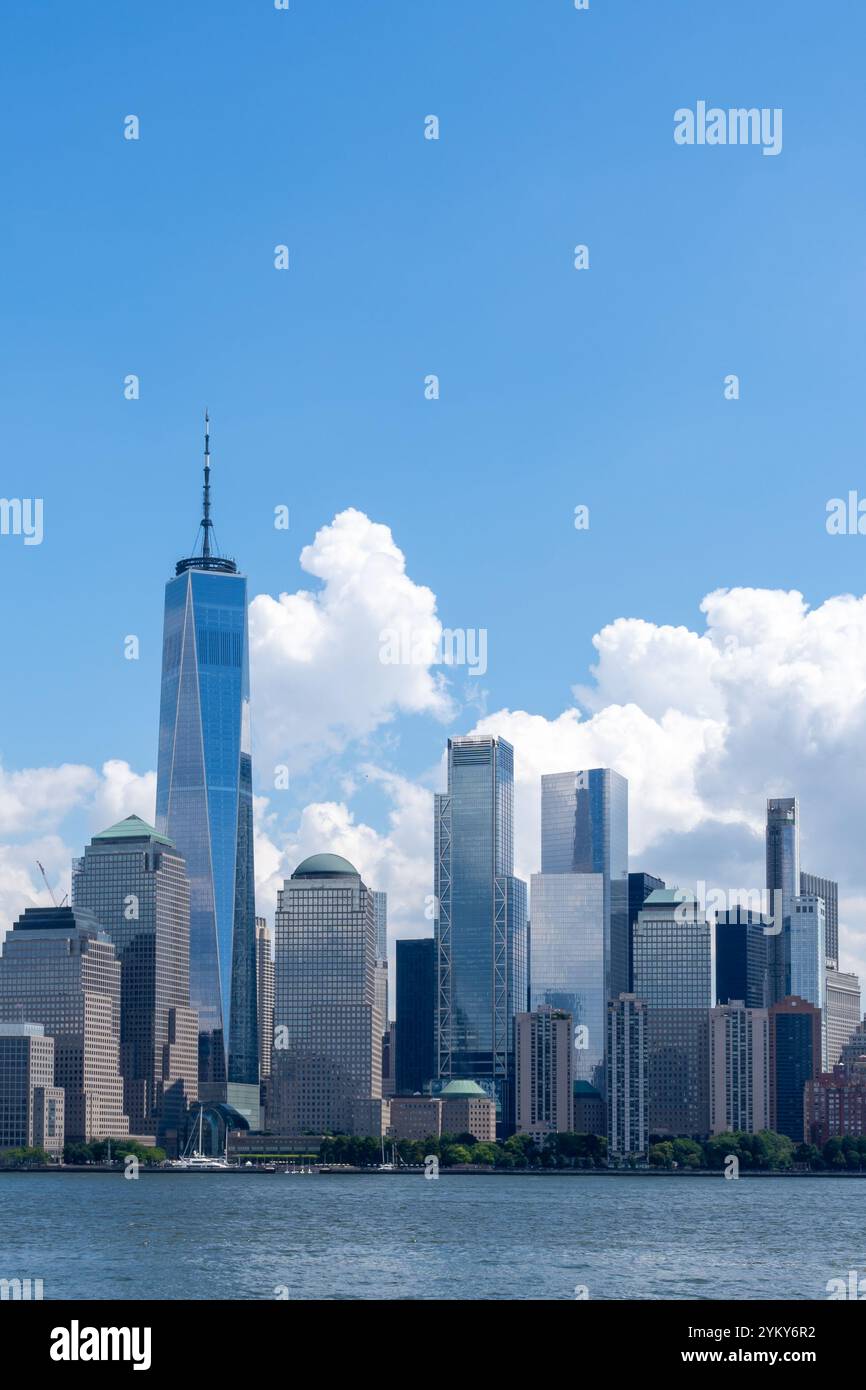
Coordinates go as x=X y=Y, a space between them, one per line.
x=324 y=866
x=463 y=1090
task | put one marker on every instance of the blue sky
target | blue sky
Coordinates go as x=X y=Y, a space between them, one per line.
x=411 y=257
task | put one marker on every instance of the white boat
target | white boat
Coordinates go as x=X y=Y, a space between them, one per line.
x=193 y=1157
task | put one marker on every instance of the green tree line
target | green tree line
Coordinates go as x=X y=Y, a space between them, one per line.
x=520 y=1151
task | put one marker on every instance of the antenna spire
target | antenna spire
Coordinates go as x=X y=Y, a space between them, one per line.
x=206 y=521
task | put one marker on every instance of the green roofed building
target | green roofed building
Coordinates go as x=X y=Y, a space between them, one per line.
x=135 y=883
x=468 y=1109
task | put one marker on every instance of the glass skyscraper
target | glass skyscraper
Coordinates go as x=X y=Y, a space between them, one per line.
x=783 y=846
x=806 y=956
x=481 y=928
x=567 y=965
x=783 y=883
x=204 y=801
x=579 y=953
x=743 y=957
x=584 y=830
x=828 y=889
x=415 y=1062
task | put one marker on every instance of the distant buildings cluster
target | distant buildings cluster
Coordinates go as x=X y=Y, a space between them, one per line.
x=157 y=1005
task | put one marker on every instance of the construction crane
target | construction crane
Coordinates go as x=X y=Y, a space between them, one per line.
x=48 y=886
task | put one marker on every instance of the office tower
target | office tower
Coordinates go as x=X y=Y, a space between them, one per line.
x=31 y=1106
x=795 y=1058
x=639 y=888
x=805 y=973
x=627 y=1079
x=204 y=804
x=814 y=886
x=739 y=1069
x=783 y=846
x=783 y=885
x=841 y=1013
x=264 y=995
x=135 y=884
x=567 y=961
x=544 y=1073
x=380 y=908
x=673 y=974
x=327 y=1029
x=415 y=1053
x=673 y=952
x=743 y=939
x=835 y=1106
x=580 y=933
x=481 y=929
x=59 y=968
x=807 y=954
x=584 y=830
x=468 y=1109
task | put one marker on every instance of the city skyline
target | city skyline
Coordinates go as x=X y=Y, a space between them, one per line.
x=553 y=395
x=433 y=585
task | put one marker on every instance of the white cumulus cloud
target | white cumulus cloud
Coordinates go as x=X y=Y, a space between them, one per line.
x=318 y=679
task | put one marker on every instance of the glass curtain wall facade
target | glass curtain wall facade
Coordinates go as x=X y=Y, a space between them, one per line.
x=204 y=805
x=639 y=888
x=812 y=885
x=568 y=966
x=481 y=928
x=584 y=830
x=415 y=1061
x=743 y=941
x=783 y=882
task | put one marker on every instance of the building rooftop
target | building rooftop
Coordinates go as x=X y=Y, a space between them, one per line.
x=585 y=1091
x=133 y=828
x=325 y=866
x=669 y=897
x=463 y=1090
x=63 y=919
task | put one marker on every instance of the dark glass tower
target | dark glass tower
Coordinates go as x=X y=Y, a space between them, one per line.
x=416 y=1000
x=783 y=883
x=743 y=957
x=204 y=799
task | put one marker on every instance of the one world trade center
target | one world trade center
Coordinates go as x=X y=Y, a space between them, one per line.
x=204 y=803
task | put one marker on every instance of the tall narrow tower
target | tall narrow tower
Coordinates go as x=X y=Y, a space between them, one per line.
x=481 y=926
x=204 y=803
